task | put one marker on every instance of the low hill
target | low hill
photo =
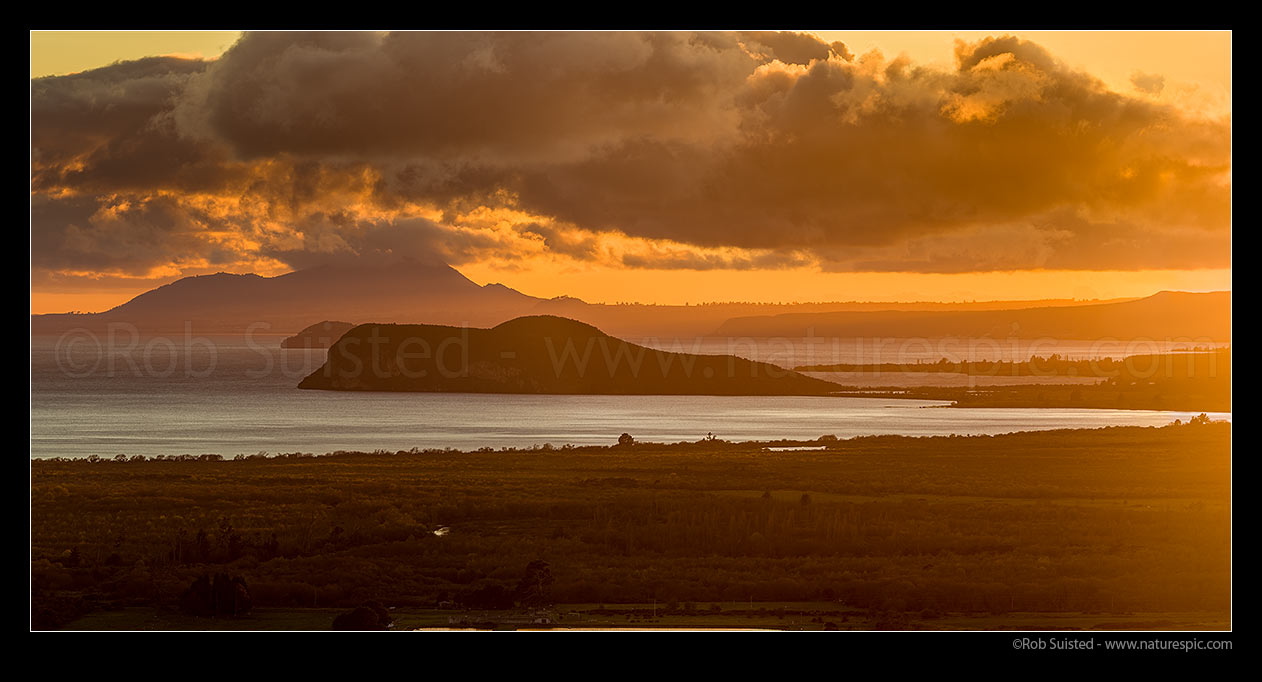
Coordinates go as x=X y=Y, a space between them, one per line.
x=319 y=335
x=538 y=354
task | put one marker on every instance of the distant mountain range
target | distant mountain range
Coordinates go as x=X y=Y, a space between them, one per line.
x=412 y=292
x=1166 y=315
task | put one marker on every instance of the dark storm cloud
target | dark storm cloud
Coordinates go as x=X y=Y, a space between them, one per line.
x=455 y=95
x=572 y=242
x=856 y=155
x=688 y=260
x=112 y=129
x=72 y=115
x=340 y=238
x=769 y=141
x=790 y=47
x=113 y=235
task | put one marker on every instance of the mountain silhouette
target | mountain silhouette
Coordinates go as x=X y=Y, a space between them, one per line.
x=406 y=290
x=538 y=354
x=434 y=293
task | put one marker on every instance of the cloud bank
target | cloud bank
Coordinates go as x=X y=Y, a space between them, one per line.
x=642 y=150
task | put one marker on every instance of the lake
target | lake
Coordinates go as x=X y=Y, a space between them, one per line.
x=229 y=395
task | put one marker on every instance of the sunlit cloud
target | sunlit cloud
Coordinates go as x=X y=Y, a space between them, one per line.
x=659 y=151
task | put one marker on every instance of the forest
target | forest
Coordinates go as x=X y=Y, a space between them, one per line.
x=904 y=530
x=1203 y=364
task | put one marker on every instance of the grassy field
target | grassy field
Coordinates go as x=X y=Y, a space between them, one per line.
x=1120 y=528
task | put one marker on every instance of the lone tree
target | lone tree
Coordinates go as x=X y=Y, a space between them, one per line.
x=535 y=588
x=626 y=439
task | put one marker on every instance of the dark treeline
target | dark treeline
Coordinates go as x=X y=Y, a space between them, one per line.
x=1190 y=382
x=1120 y=519
x=1204 y=365
x=1187 y=395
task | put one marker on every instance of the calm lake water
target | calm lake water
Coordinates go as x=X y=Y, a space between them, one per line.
x=96 y=396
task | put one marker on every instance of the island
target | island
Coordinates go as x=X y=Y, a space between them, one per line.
x=319 y=335
x=538 y=354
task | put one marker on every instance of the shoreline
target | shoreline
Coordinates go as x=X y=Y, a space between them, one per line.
x=825 y=443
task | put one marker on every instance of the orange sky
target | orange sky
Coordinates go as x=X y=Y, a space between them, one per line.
x=1192 y=56
x=106 y=229
x=677 y=287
